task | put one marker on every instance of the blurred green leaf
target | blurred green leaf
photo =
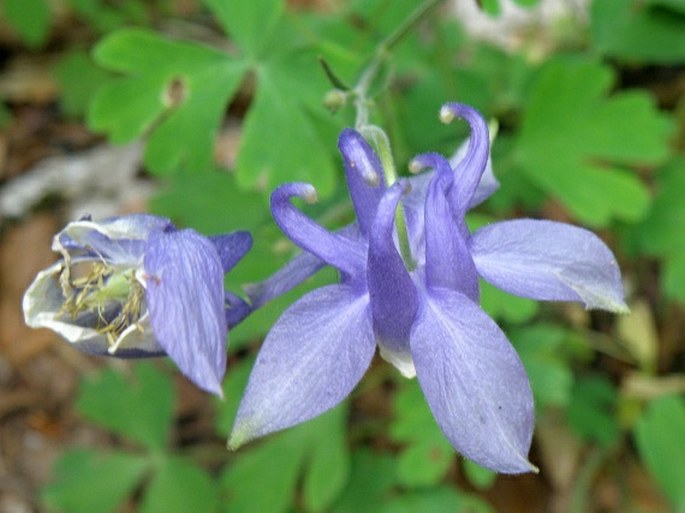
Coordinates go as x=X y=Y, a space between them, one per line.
x=438 y=499
x=677 y=6
x=427 y=455
x=139 y=408
x=550 y=375
x=577 y=144
x=661 y=233
x=592 y=410
x=175 y=90
x=79 y=79
x=371 y=478
x=179 y=486
x=502 y=305
x=30 y=18
x=480 y=477
x=264 y=478
x=211 y=203
x=88 y=481
x=107 y=16
x=233 y=387
x=249 y=23
x=651 y=31
x=5 y=115
x=492 y=7
x=660 y=433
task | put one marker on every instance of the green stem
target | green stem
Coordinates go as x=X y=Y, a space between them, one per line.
x=361 y=89
x=380 y=140
x=408 y=25
x=360 y=93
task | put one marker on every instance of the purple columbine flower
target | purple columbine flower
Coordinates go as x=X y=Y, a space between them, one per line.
x=135 y=286
x=421 y=309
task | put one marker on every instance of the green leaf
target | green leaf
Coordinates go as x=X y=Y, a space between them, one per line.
x=643 y=31
x=492 y=7
x=501 y=305
x=79 y=79
x=179 y=486
x=5 y=116
x=139 y=408
x=592 y=410
x=233 y=387
x=87 y=481
x=328 y=464
x=427 y=455
x=677 y=6
x=264 y=478
x=480 y=477
x=659 y=434
x=371 y=478
x=210 y=202
x=249 y=23
x=176 y=91
x=661 y=232
x=578 y=144
x=550 y=375
x=439 y=499
x=30 y=18
x=105 y=17
x=281 y=142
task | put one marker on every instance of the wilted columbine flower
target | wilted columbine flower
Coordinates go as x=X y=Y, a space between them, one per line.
x=135 y=286
x=416 y=296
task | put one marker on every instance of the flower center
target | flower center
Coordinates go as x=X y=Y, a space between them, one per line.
x=101 y=297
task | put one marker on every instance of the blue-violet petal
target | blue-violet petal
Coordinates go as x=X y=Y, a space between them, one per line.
x=551 y=261
x=392 y=292
x=474 y=382
x=312 y=358
x=185 y=295
x=364 y=176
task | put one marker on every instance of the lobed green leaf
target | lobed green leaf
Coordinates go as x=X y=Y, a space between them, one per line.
x=578 y=145
x=651 y=31
x=179 y=486
x=174 y=91
x=249 y=23
x=89 y=480
x=265 y=478
x=138 y=408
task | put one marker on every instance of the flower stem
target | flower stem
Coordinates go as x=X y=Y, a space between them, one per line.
x=382 y=144
x=362 y=102
x=361 y=89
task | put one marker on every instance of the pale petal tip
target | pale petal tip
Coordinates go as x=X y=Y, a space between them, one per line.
x=610 y=304
x=415 y=166
x=521 y=465
x=310 y=196
x=620 y=308
x=446 y=114
x=240 y=435
x=213 y=387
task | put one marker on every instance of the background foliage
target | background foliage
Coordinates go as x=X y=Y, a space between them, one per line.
x=590 y=131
